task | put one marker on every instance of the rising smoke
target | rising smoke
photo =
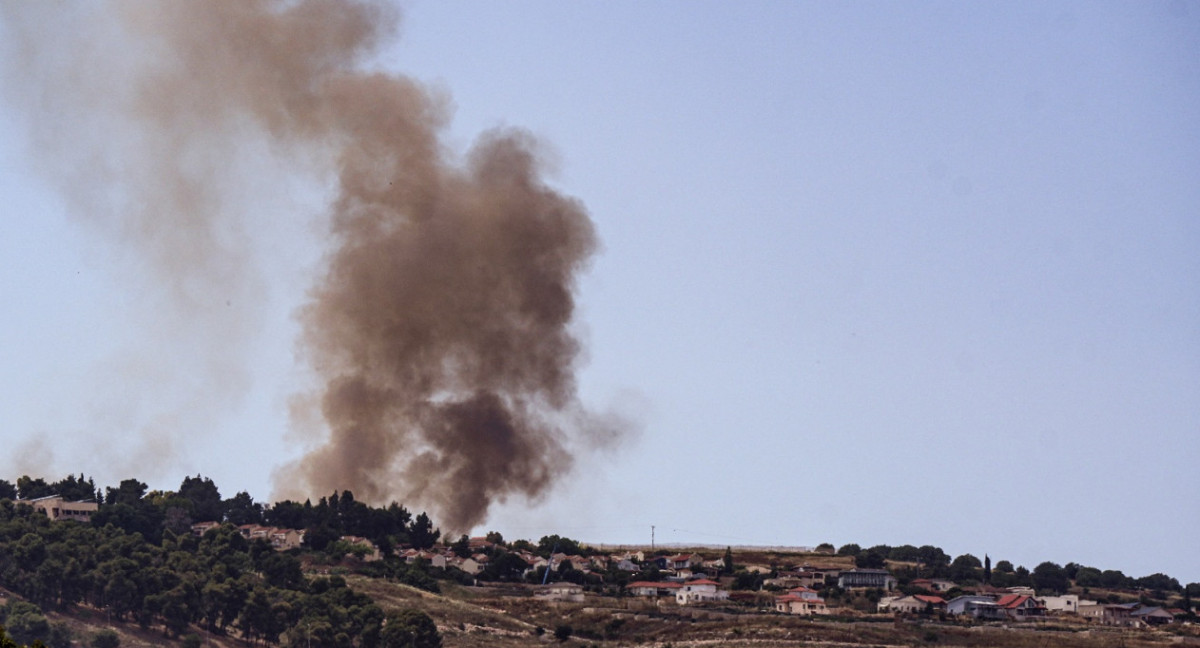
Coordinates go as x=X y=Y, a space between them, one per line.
x=440 y=325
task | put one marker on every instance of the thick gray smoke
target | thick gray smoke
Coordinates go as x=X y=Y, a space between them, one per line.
x=440 y=326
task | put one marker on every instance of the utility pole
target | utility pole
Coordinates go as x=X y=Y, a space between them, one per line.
x=651 y=537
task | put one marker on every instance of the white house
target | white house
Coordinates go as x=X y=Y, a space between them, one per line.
x=700 y=590
x=1067 y=604
x=917 y=603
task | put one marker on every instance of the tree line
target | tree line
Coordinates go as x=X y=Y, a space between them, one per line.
x=131 y=506
x=138 y=562
x=931 y=562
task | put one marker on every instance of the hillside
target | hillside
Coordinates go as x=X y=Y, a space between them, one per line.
x=341 y=573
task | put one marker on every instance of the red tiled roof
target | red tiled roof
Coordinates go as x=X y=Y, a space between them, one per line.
x=1011 y=601
x=925 y=598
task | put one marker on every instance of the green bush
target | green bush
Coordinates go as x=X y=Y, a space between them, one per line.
x=106 y=639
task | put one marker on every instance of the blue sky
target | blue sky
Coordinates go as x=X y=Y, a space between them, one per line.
x=870 y=272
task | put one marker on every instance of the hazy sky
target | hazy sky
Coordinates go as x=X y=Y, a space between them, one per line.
x=893 y=273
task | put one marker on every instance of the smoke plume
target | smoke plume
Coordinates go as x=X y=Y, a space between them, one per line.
x=440 y=326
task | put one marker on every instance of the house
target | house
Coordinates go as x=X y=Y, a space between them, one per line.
x=1067 y=604
x=917 y=604
x=434 y=559
x=579 y=563
x=800 y=604
x=638 y=557
x=697 y=591
x=661 y=562
x=1151 y=615
x=569 y=592
x=477 y=543
x=255 y=531
x=200 y=528
x=284 y=539
x=466 y=565
x=804 y=593
x=624 y=564
x=684 y=561
x=56 y=508
x=648 y=588
x=1020 y=607
x=1119 y=614
x=976 y=606
x=372 y=552
x=533 y=560
x=809 y=577
x=783 y=582
x=859 y=578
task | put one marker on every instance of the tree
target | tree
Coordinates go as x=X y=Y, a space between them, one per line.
x=1159 y=581
x=6 y=641
x=556 y=543
x=30 y=488
x=1050 y=577
x=462 y=547
x=75 y=490
x=204 y=497
x=409 y=628
x=905 y=553
x=987 y=568
x=966 y=568
x=1072 y=569
x=25 y=621
x=933 y=558
x=849 y=550
x=728 y=569
x=563 y=632
x=825 y=547
x=1021 y=576
x=1087 y=577
x=61 y=636
x=422 y=534
x=106 y=638
x=1113 y=579
x=747 y=580
x=131 y=491
x=507 y=566
x=870 y=559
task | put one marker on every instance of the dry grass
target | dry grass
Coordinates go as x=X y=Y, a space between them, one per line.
x=510 y=616
x=503 y=617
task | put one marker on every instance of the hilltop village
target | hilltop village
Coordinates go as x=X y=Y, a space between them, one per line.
x=189 y=564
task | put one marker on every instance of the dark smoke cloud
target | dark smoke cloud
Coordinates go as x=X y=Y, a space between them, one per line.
x=440 y=328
